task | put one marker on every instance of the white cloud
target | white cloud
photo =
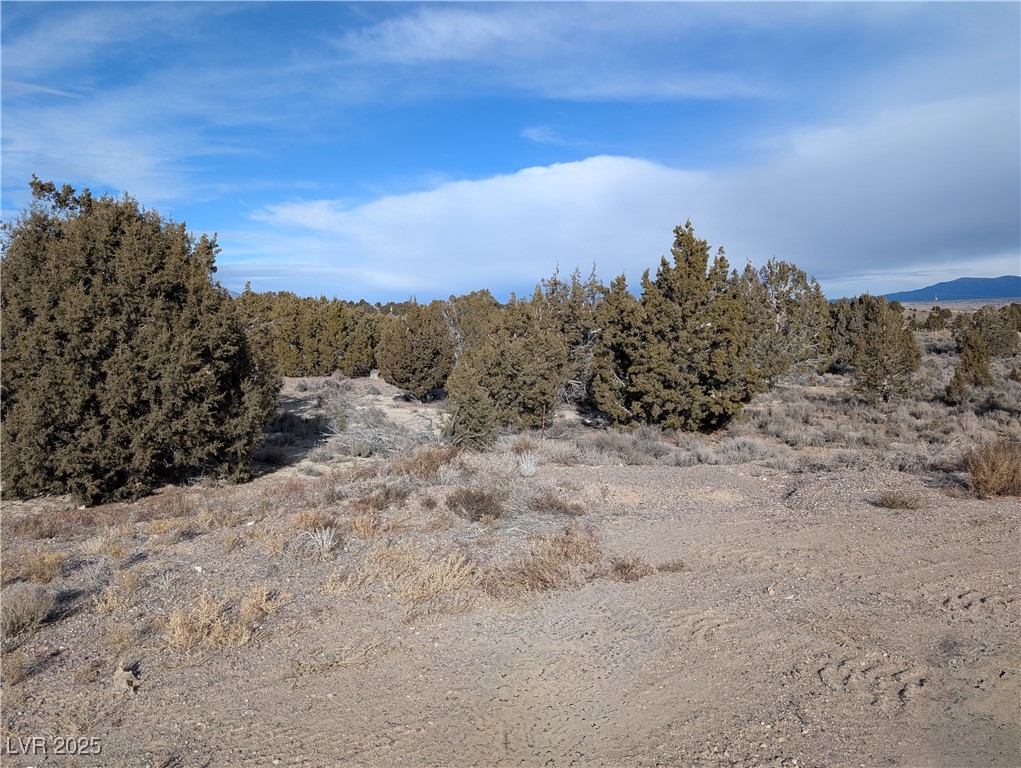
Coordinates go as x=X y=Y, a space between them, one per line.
x=925 y=189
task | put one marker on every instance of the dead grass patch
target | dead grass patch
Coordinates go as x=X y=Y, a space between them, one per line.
x=414 y=577
x=994 y=469
x=38 y=564
x=311 y=520
x=424 y=463
x=554 y=561
x=628 y=568
x=899 y=500
x=23 y=609
x=476 y=503
x=388 y=496
x=213 y=623
x=364 y=524
x=548 y=501
x=15 y=667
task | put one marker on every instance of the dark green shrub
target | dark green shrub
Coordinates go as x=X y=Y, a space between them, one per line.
x=124 y=365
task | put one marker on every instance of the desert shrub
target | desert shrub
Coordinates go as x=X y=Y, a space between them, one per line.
x=315 y=543
x=994 y=469
x=424 y=463
x=476 y=503
x=23 y=609
x=554 y=561
x=124 y=365
x=311 y=519
x=39 y=564
x=548 y=501
x=628 y=568
x=899 y=500
x=211 y=623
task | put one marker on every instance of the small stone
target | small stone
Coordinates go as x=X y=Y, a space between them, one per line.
x=125 y=680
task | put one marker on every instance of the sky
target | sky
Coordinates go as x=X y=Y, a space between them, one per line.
x=384 y=151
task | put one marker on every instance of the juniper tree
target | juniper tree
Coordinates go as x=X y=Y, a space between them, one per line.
x=473 y=418
x=124 y=365
x=619 y=322
x=518 y=365
x=679 y=360
x=788 y=320
x=415 y=351
x=570 y=311
x=886 y=354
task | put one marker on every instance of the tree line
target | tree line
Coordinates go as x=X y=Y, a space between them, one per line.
x=126 y=365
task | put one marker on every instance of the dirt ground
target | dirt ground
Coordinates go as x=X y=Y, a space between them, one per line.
x=793 y=620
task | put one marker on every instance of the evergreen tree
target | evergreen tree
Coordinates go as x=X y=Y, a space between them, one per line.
x=124 y=365
x=619 y=321
x=570 y=311
x=886 y=354
x=975 y=360
x=687 y=348
x=415 y=351
x=788 y=319
x=473 y=421
x=467 y=318
x=518 y=366
x=996 y=326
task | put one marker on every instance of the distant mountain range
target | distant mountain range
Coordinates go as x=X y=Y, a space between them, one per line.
x=1004 y=288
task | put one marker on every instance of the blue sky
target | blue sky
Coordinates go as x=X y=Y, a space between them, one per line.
x=384 y=150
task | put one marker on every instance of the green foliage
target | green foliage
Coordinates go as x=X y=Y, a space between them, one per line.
x=975 y=360
x=938 y=319
x=473 y=416
x=886 y=354
x=620 y=321
x=467 y=318
x=124 y=366
x=675 y=358
x=518 y=367
x=998 y=328
x=415 y=351
x=788 y=321
x=570 y=311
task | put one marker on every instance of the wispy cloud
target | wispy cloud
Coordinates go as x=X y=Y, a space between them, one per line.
x=38 y=89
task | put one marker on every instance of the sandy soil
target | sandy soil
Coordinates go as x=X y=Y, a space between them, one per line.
x=810 y=627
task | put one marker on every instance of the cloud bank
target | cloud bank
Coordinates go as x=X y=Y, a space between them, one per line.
x=844 y=202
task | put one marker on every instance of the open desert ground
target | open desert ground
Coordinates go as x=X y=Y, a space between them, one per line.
x=815 y=586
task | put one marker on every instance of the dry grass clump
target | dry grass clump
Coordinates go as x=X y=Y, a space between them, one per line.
x=476 y=503
x=316 y=544
x=15 y=667
x=38 y=564
x=554 y=561
x=212 y=623
x=629 y=568
x=424 y=582
x=995 y=469
x=899 y=500
x=311 y=520
x=423 y=463
x=548 y=501
x=37 y=526
x=23 y=609
x=390 y=494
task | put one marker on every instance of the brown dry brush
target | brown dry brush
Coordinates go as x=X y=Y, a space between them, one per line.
x=994 y=469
